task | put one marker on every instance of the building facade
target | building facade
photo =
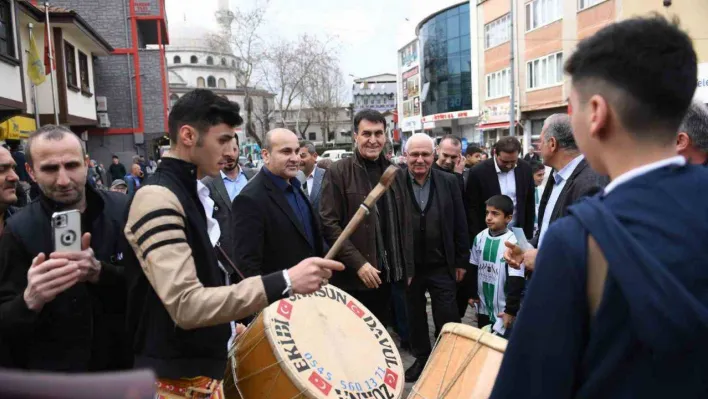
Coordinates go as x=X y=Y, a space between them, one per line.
x=437 y=79
x=545 y=34
x=131 y=82
x=375 y=92
x=456 y=76
x=193 y=63
x=309 y=124
x=68 y=96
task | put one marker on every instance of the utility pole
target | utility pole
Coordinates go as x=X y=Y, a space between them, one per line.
x=512 y=111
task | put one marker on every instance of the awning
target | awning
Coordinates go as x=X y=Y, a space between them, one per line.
x=496 y=125
x=17 y=128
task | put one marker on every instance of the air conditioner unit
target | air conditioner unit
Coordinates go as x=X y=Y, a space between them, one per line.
x=103 y=120
x=101 y=104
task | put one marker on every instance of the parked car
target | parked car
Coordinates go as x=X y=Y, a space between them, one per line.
x=336 y=155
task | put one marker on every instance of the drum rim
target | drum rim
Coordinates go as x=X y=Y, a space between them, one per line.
x=284 y=365
x=473 y=333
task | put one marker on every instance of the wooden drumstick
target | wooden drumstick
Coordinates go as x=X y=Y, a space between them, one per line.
x=384 y=183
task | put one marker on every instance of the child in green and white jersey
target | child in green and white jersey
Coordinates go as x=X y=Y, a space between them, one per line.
x=499 y=286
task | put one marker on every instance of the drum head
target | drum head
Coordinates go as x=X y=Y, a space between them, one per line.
x=331 y=346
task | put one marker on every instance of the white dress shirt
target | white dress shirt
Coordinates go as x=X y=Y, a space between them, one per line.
x=212 y=225
x=507 y=184
x=642 y=170
x=311 y=181
x=561 y=177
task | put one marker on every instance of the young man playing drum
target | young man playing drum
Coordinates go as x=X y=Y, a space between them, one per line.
x=178 y=307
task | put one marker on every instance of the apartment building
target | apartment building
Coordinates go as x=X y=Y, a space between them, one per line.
x=546 y=33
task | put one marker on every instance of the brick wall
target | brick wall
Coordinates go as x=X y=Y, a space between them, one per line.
x=107 y=17
x=114 y=81
x=153 y=100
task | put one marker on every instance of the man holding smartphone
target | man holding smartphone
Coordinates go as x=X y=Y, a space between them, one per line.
x=64 y=311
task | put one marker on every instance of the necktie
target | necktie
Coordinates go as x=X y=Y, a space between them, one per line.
x=304 y=187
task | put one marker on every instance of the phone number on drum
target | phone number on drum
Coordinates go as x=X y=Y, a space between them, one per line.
x=368 y=385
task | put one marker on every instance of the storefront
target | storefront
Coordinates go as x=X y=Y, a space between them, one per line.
x=17 y=128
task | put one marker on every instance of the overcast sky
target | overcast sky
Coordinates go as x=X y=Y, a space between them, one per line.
x=370 y=31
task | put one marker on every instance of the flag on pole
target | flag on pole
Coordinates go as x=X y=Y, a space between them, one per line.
x=35 y=66
x=49 y=65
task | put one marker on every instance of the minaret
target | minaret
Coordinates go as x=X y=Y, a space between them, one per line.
x=224 y=16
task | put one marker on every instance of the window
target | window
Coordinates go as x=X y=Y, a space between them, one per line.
x=233 y=63
x=70 y=63
x=497 y=32
x=542 y=12
x=210 y=60
x=211 y=81
x=193 y=59
x=312 y=136
x=545 y=71
x=583 y=4
x=200 y=82
x=7 y=42
x=177 y=60
x=173 y=99
x=222 y=83
x=223 y=61
x=498 y=84
x=84 y=73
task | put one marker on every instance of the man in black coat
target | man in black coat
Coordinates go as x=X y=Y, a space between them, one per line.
x=503 y=174
x=572 y=178
x=64 y=311
x=273 y=223
x=441 y=250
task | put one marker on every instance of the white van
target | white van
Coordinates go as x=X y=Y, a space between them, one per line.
x=336 y=155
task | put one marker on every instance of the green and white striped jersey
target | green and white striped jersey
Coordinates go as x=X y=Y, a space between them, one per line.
x=488 y=254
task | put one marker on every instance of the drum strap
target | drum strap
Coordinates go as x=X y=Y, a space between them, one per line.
x=231 y=263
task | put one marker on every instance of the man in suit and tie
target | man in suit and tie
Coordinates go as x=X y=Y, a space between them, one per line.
x=274 y=224
x=503 y=174
x=223 y=189
x=310 y=174
x=572 y=179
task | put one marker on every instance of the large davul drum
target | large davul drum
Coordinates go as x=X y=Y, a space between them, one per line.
x=322 y=345
x=463 y=365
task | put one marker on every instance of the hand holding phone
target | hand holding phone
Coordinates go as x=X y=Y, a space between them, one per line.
x=48 y=278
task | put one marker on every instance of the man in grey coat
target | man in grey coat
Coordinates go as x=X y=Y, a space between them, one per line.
x=233 y=178
x=310 y=175
x=572 y=178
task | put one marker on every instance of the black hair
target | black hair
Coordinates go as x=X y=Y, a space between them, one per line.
x=115 y=156
x=508 y=144
x=473 y=149
x=370 y=115
x=503 y=203
x=309 y=147
x=455 y=140
x=49 y=132
x=202 y=109
x=536 y=166
x=645 y=67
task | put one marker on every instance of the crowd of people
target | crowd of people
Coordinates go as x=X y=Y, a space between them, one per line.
x=595 y=277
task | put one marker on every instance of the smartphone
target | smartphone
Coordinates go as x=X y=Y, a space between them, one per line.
x=66 y=229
